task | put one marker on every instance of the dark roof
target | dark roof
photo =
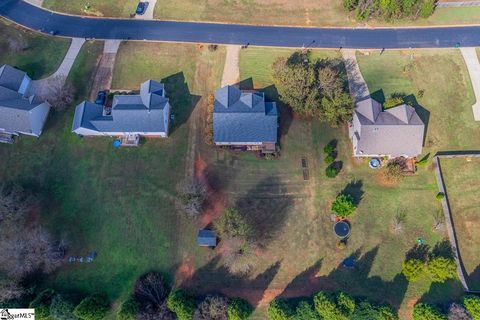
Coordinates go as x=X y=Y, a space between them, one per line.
x=130 y=113
x=206 y=238
x=243 y=117
x=10 y=77
x=395 y=131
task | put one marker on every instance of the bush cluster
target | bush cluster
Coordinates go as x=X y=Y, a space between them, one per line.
x=468 y=309
x=333 y=167
x=343 y=206
x=439 y=268
x=390 y=9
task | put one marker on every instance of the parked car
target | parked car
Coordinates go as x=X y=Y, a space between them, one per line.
x=101 y=97
x=141 y=8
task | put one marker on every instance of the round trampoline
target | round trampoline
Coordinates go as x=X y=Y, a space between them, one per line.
x=374 y=163
x=341 y=229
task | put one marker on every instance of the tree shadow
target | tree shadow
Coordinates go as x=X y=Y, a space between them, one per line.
x=473 y=279
x=419 y=252
x=355 y=281
x=181 y=100
x=443 y=249
x=443 y=294
x=378 y=96
x=265 y=207
x=214 y=277
x=354 y=189
x=423 y=113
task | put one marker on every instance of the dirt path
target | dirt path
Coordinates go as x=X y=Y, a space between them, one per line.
x=356 y=84
x=231 y=69
x=104 y=73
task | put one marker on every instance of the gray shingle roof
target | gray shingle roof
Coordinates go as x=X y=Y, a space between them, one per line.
x=206 y=238
x=130 y=113
x=243 y=117
x=19 y=113
x=396 y=131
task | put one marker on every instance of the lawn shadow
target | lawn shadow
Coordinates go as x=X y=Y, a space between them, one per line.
x=266 y=207
x=419 y=252
x=355 y=281
x=354 y=189
x=214 y=277
x=181 y=100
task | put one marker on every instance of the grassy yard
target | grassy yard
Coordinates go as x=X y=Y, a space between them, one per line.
x=120 y=203
x=38 y=55
x=270 y=12
x=300 y=255
x=462 y=178
x=99 y=8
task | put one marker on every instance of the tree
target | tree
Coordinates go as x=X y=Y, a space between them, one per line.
x=458 y=312
x=280 y=309
x=345 y=303
x=441 y=269
x=232 y=224
x=413 y=269
x=331 y=171
x=472 y=304
x=181 y=303
x=61 y=308
x=213 y=307
x=192 y=196
x=327 y=308
x=11 y=290
x=59 y=93
x=367 y=311
x=129 y=309
x=94 y=307
x=41 y=304
x=306 y=311
x=344 y=205
x=423 y=311
x=336 y=108
x=150 y=290
x=239 y=309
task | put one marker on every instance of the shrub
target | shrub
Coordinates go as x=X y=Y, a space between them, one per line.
x=346 y=303
x=305 y=311
x=366 y=311
x=413 y=269
x=181 y=303
x=94 y=307
x=279 y=309
x=239 y=309
x=392 y=102
x=472 y=304
x=129 y=309
x=440 y=196
x=343 y=206
x=331 y=172
x=62 y=308
x=329 y=159
x=213 y=307
x=327 y=308
x=393 y=172
x=329 y=148
x=232 y=224
x=41 y=304
x=423 y=311
x=441 y=269
x=427 y=8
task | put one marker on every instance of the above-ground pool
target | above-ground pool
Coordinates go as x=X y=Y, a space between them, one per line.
x=374 y=163
x=341 y=229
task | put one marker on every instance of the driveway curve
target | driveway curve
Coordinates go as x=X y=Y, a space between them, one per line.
x=155 y=30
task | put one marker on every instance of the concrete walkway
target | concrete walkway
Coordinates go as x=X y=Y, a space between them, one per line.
x=473 y=66
x=231 y=69
x=104 y=73
x=148 y=15
x=357 y=86
x=450 y=4
x=38 y=3
x=47 y=87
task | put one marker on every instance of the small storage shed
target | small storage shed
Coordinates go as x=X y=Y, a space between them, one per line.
x=206 y=238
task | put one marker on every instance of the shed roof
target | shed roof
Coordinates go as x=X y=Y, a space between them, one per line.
x=206 y=238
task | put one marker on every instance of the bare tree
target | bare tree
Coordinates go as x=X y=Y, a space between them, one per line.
x=161 y=313
x=458 y=312
x=150 y=290
x=214 y=307
x=239 y=256
x=10 y=290
x=192 y=197
x=438 y=221
x=60 y=93
x=398 y=221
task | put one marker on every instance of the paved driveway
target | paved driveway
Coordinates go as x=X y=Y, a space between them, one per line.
x=473 y=65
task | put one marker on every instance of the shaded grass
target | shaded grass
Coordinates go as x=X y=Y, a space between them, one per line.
x=36 y=54
x=462 y=179
x=120 y=203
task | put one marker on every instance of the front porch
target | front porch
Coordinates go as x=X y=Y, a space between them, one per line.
x=7 y=138
x=130 y=140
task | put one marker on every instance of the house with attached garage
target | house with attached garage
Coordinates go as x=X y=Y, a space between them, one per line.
x=244 y=119
x=394 y=132
x=21 y=112
x=129 y=117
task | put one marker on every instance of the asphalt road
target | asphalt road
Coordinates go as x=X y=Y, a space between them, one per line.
x=129 y=29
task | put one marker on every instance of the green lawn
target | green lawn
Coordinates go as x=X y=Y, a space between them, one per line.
x=300 y=254
x=461 y=177
x=120 y=203
x=36 y=54
x=447 y=93
x=100 y=8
